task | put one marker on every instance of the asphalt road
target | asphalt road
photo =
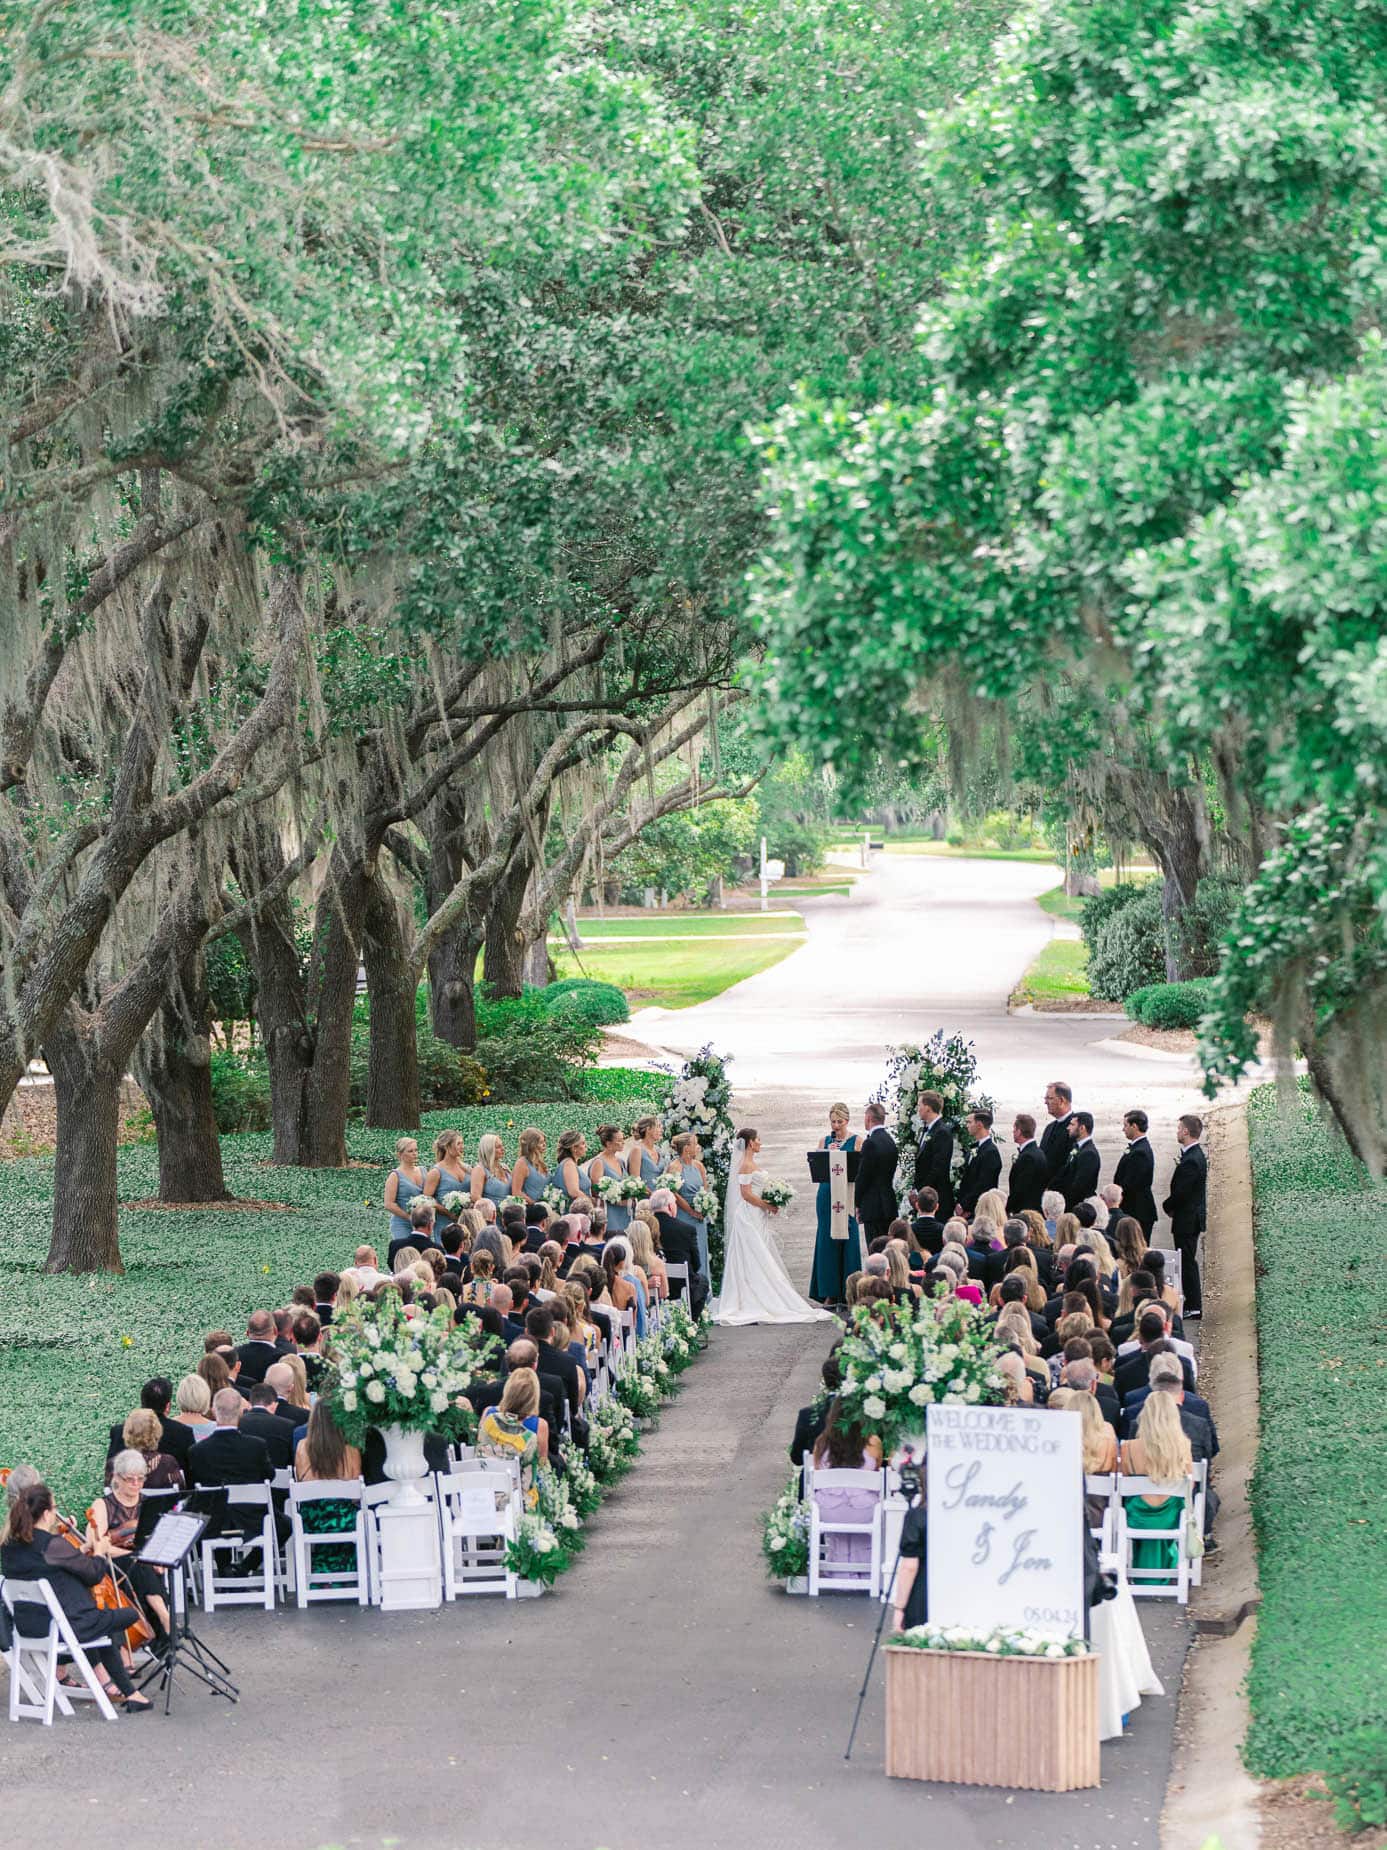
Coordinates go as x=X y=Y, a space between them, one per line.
x=665 y=1696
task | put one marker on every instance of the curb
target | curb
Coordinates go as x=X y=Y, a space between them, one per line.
x=1210 y=1791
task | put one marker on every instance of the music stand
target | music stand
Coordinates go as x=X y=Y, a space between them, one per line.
x=818 y=1164
x=174 y=1538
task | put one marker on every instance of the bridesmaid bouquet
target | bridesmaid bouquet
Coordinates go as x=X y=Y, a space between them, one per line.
x=619 y=1189
x=672 y=1179
x=706 y=1203
x=779 y=1194
x=513 y=1201
x=455 y=1202
x=555 y=1199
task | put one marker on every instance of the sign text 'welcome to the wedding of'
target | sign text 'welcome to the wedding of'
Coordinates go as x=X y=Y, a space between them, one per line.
x=1005 y=1490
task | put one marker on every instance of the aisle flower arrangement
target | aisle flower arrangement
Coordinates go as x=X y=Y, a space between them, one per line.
x=613 y=1442
x=785 y=1534
x=535 y=1553
x=390 y=1369
x=946 y=1064
x=899 y=1359
x=1001 y=1641
x=701 y=1102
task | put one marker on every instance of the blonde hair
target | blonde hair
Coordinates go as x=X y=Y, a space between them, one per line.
x=142 y=1431
x=1097 y=1452
x=642 y=1245
x=1039 y=1233
x=471 y=1220
x=193 y=1395
x=1076 y=1323
x=1014 y=1322
x=1097 y=1243
x=405 y=1143
x=444 y=1142
x=521 y=1393
x=840 y=1110
x=852 y=1287
x=1067 y=1230
x=1165 y=1448
x=490 y=1150
x=483 y=1265
x=644 y=1124
x=991 y=1211
x=532 y=1141
x=297 y=1368
x=897 y=1266
x=346 y=1292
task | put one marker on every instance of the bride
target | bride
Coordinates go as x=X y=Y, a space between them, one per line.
x=756 y=1287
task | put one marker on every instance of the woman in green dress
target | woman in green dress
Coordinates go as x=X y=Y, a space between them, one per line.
x=834 y=1260
x=1160 y=1452
x=323 y=1456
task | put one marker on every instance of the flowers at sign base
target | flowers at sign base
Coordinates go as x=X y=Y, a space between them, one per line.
x=1001 y=1641
x=777 y=1192
x=785 y=1534
x=899 y=1359
x=391 y=1370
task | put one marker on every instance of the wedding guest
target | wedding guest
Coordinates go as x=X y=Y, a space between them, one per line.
x=325 y=1289
x=1080 y=1372
x=1135 y=1171
x=842 y=1447
x=1029 y=1168
x=898 y=1271
x=679 y=1243
x=143 y=1434
x=1014 y=1331
x=258 y=1350
x=216 y=1375
x=978 y=1249
x=514 y=1429
x=852 y=1288
x=1110 y=1195
x=622 y=1282
x=1104 y=1356
x=990 y=1213
x=833 y=1259
x=572 y=1150
x=1015 y=1289
x=1134 y=1368
x=195 y=1407
x=1020 y=1261
x=1017 y=1380
x=953 y=1260
x=323 y=1456
x=112 y=1522
x=1160 y=1452
x=175 y=1438
x=349 y=1289
x=402 y=1185
x=876 y=1174
x=811 y=1420
x=289 y=1378
x=1168 y=1374
x=934 y=1153
x=1040 y=1243
x=261 y=1420
x=982 y=1172
x=1054 y=1139
x=1079 y=1177
x=642 y=1234
x=1051 y=1208
x=487 y=1209
x=926 y=1228
x=552 y=1359
x=28 y=1552
x=491 y=1177
x=1099 y=1439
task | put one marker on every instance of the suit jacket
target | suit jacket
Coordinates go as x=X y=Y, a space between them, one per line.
x=982 y=1171
x=229 y=1456
x=979 y=1261
x=1185 y=1203
x=1193 y=1404
x=678 y=1241
x=809 y=1423
x=1133 y=1175
x=278 y=1435
x=1026 y=1183
x=1079 y=1177
x=1109 y=1405
x=876 y=1178
x=933 y=1165
x=255 y=1358
x=929 y=1231
x=177 y=1439
x=1133 y=1372
x=1055 y=1146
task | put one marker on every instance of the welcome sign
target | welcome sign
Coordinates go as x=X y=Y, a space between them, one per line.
x=1005 y=1510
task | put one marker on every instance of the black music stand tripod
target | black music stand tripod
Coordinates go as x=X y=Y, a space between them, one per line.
x=174 y=1538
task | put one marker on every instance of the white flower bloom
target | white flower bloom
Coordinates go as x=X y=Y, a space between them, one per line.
x=971 y=1391
x=438 y=1401
x=1054 y=1650
x=874 y=1407
x=897 y=1352
x=375 y=1391
x=349 y=1401
x=920 y=1394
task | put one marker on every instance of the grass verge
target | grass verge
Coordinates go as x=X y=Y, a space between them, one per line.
x=1059 y=975
x=674 y=975
x=689 y=925
x=74 y=1352
x=1317 y=1496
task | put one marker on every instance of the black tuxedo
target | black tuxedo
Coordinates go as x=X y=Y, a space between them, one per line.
x=929 y=1231
x=809 y=1423
x=679 y=1244
x=255 y=1358
x=1079 y=1177
x=1186 y=1206
x=1133 y=1373
x=981 y=1172
x=1055 y=1146
x=1109 y=1405
x=229 y=1456
x=875 y=1192
x=176 y=1439
x=278 y=1435
x=934 y=1157
x=1026 y=1182
x=979 y=1259
x=554 y=1361
x=1133 y=1175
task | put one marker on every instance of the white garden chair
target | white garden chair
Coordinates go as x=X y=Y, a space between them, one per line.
x=34 y=1663
x=1156 y=1582
x=220 y=1588
x=677 y=1272
x=1104 y=1532
x=479 y=1519
x=311 y=1583
x=844 y=1576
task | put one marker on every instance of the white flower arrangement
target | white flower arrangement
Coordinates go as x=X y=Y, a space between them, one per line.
x=777 y=1192
x=672 y=1179
x=785 y=1534
x=616 y=1190
x=535 y=1553
x=1001 y=1641
x=897 y=1360
x=555 y=1199
x=388 y=1369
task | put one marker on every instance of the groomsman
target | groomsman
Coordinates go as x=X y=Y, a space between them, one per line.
x=1135 y=1170
x=1186 y=1206
x=1054 y=1139
x=1029 y=1169
x=875 y=1191
x=983 y=1169
x=1079 y=1177
x=934 y=1154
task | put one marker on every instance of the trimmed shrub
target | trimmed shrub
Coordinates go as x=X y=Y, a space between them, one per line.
x=1200 y=929
x=1128 y=951
x=1171 y=1005
x=598 y=1004
x=1103 y=905
x=543 y=1060
x=446 y=1076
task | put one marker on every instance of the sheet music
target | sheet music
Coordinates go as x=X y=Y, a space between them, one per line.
x=173 y=1536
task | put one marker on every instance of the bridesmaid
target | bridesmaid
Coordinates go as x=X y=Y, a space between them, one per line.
x=530 y=1178
x=405 y=1181
x=449 y=1172
x=645 y=1158
x=608 y=1162
x=490 y=1177
x=689 y=1157
x=834 y=1260
x=573 y=1147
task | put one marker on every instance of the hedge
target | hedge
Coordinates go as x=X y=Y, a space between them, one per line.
x=1316 y=1686
x=1170 y=1005
x=74 y=1351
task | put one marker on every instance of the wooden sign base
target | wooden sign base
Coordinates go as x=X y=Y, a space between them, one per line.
x=969 y=1719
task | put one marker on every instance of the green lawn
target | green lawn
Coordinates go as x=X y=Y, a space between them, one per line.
x=1060 y=971
x=1318 y=1500
x=689 y=925
x=75 y=1351
x=675 y=975
x=1061 y=905
x=966 y=852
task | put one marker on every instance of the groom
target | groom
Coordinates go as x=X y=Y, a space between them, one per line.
x=876 y=1175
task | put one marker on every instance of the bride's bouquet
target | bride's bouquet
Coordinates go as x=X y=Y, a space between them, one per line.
x=706 y=1203
x=776 y=1193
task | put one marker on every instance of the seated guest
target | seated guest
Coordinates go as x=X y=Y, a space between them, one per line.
x=453 y=1241
x=366 y=1268
x=1134 y=1367
x=926 y=1226
x=1015 y=1288
x=583 y=1332
x=1160 y=1452
x=323 y=1456
x=1165 y=1291
x=111 y=1527
x=489 y=1240
x=539 y=1327
x=1099 y=1439
x=620 y=1286
x=1167 y=1370
x=143 y=1434
x=515 y=1429
x=1136 y=1289
x=215 y=1341
x=195 y=1407
x=1019 y=1388
x=518 y=1278
x=33 y=1550
x=642 y=1234
x=1040 y=1243
x=535 y=1225
x=325 y=1290
x=347 y=1292
x=302 y=1297
x=418 y=1236
x=811 y=1420
x=1177 y=1342
x=1009 y=1237
x=842 y=1447
x=215 y=1375
x=1051 y=1209
x=952 y=1260
x=284 y=1331
x=1104 y=1357
x=308 y=1339
x=229 y=1456
x=289 y=1382
x=261 y=1421
x=1014 y=1330
x=1081 y=1373
x=503 y=1303
x=175 y=1437
x=978 y=1249
x=258 y=1350
x=481 y=1279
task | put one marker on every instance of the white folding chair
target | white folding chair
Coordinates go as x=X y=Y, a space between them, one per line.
x=479 y=1520
x=1156 y=1582
x=243 y=1589
x=34 y=1663
x=1104 y=1531
x=677 y=1272
x=312 y=1583
x=844 y=1576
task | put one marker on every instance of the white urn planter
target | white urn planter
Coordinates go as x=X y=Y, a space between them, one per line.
x=797 y=1583
x=411 y=1574
x=528 y=1589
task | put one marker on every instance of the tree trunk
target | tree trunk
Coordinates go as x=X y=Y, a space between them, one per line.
x=173 y=1063
x=1174 y=830
x=392 y=1072
x=336 y=958
x=537 y=967
x=282 y=1012
x=453 y=986
x=85 y=1235
x=503 y=962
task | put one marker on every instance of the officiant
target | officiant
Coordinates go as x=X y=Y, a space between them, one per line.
x=837 y=1246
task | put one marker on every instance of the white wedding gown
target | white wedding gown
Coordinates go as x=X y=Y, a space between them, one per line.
x=756 y=1287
